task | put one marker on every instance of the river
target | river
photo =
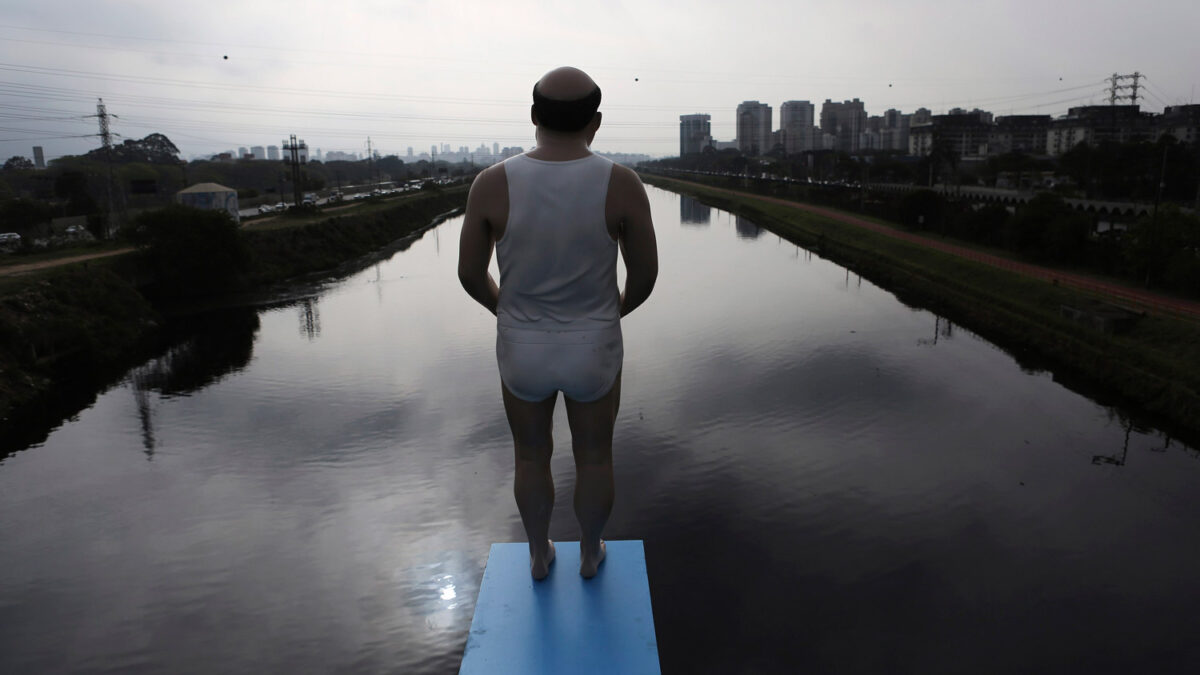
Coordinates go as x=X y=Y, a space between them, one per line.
x=825 y=479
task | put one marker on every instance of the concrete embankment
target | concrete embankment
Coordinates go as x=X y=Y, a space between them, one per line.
x=68 y=331
x=1151 y=366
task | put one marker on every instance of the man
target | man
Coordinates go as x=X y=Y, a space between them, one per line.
x=556 y=217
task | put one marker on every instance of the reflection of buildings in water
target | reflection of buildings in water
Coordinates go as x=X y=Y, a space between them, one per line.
x=694 y=212
x=746 y=229
x=310 y=318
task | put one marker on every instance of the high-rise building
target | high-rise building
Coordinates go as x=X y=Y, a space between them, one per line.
x=39 y=159
x=961 y=134
x=695 y=133
x=1095 y=124
x=894 y=133
x=258 y=152
x=754 y=127
x=495 y=148
x=1019 y=133
x=796 y=123
x=845 y=121
x=273 y=152
x=242 y=152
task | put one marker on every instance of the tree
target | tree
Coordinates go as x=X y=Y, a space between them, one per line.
x=154 y=149
x=18 y=163
x=1048 y=229
x=72 y=186
x=1165 y=250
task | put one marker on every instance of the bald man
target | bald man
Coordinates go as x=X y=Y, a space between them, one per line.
x=556 y=217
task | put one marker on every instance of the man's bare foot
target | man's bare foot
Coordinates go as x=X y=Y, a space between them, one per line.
x=542 y=570
x=588 y=564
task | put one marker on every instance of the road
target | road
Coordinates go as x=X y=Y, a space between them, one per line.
x=14 y=270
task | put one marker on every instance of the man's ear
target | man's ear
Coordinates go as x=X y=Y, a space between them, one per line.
x=593 y=126
x=533 y=115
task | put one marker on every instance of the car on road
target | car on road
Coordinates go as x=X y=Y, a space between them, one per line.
x=266 y=208
x=9 y=240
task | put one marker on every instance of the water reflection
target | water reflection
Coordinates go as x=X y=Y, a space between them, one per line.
x=694 y=212
x=1120 y=458
x=310 y=318
x=219 y=344
x=746 y=229
x=942 y=328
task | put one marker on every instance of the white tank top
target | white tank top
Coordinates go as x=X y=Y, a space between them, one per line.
x=558 y=266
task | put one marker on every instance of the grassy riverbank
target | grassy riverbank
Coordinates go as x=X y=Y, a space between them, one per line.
x=75 y=328
x=1154 y=366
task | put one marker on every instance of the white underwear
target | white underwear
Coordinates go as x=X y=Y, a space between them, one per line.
x=582 y=364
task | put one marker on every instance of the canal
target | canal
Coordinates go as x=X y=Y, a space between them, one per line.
x=826 y=480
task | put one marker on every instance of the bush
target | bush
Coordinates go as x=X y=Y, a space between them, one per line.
x=922 y=210
x=190 y=252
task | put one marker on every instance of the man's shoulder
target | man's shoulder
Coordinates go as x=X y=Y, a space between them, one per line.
x=624 y=178
x=491 y=178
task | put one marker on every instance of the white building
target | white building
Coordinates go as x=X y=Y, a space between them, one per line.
x=210 y=196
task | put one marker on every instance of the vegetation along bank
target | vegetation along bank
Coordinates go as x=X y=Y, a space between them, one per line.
x=1148 y=361
x=69 y=330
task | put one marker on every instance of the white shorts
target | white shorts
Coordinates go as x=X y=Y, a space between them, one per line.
x=582 y=364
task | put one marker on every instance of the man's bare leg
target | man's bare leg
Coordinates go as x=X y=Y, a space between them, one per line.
x=591 y=441
x=533 y=485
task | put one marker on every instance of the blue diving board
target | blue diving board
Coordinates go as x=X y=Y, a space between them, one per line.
x=564 y=623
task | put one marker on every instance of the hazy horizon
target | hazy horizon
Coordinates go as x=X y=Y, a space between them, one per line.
x=422 y=73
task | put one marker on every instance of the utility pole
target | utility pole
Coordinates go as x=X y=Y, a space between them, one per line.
x=370 y=170
x=1115 y=88
x=294 y=147
x=106 y=143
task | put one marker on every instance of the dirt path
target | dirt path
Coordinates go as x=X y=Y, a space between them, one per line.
x=1115 y=291
x=12 y=270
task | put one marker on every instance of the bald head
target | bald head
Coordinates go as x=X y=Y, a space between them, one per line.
x=565 y=100
x=565 y=84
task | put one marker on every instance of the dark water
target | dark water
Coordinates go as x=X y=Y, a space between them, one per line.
x=826 y=480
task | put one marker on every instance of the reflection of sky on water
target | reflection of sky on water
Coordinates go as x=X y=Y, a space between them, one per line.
x=325 y=497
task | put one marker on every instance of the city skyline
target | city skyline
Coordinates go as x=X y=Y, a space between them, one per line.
x=236 y=75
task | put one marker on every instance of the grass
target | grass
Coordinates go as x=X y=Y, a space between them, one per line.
x=1155 y=366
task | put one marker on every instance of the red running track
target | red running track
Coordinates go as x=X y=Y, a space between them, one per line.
x=1144 y=299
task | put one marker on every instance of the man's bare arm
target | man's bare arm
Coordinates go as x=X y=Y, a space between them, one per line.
x=477 y=241
x=639 y=248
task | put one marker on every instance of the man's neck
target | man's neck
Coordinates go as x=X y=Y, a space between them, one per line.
x=554 y=147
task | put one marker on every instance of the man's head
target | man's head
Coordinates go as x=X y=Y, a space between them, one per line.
x=565 y=101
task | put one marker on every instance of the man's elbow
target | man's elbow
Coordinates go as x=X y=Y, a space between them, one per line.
x=467 y=278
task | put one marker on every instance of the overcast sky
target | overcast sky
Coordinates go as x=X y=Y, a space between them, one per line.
x=414 y=73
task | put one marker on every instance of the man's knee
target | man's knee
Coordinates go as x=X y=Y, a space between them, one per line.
x=592 y=454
